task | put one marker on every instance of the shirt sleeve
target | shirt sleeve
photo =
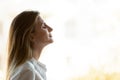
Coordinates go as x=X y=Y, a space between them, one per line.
x=27 y=75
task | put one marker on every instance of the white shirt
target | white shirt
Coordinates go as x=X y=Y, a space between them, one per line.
x=30 y=70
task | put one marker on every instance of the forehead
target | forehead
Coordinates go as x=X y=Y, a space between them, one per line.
x=38 y=22
x=39 y=19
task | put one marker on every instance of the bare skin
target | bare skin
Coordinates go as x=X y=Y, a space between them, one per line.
x=40 y=37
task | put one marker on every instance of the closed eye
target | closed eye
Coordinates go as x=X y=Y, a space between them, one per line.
x=43 y=25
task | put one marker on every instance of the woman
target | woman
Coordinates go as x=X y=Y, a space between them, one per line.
x=28 y=35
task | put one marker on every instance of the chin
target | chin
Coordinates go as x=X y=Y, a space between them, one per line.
x=51 y=41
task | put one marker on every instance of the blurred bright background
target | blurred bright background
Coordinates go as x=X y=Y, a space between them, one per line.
x=86 y=37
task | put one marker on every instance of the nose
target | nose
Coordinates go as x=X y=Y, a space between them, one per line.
x=49 y=28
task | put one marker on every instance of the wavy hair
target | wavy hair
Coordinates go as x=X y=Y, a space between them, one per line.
x=19 y=43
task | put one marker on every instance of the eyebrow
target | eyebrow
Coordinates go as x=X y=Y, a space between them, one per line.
x=39 y=18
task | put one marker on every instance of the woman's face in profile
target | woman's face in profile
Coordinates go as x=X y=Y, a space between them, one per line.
x=42 y=33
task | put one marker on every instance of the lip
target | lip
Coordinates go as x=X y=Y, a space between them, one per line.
x=50 y=35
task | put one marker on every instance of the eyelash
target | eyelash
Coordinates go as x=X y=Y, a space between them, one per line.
x=44 y=25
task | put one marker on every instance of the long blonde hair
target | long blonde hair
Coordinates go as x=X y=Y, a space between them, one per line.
x=19 y=44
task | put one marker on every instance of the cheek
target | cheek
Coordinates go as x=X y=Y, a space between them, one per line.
x=45 y=37
x=42 y=36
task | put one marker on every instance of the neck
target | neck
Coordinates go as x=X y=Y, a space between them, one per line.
x=37 y=53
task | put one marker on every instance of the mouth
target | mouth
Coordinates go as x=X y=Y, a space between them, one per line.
x=50 y=35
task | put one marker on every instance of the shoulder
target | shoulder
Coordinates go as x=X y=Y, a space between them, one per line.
x=24 y=71
x=28 y=65
x=24 y=75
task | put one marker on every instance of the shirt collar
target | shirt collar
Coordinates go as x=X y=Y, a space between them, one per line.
x=36 y=62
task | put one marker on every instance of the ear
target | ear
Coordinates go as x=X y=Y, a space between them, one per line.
x=32 y=39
